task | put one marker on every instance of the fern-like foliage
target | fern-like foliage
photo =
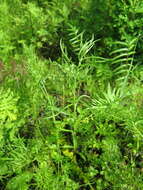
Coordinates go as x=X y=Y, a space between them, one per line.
x=122 y=60
x=111 y=96
x=8 y=108
x=122 y=66
x=80 y=47
x=8 y=112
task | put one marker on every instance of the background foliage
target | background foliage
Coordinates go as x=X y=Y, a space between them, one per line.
x=71 y=95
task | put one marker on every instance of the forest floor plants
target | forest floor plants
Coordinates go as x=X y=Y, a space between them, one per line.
x=72 y=119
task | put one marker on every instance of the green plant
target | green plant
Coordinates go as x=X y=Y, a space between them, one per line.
x=71 y=98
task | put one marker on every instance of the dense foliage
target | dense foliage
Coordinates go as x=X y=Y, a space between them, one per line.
x=71 y=95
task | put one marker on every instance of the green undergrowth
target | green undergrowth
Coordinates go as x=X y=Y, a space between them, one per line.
x=71 y=103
